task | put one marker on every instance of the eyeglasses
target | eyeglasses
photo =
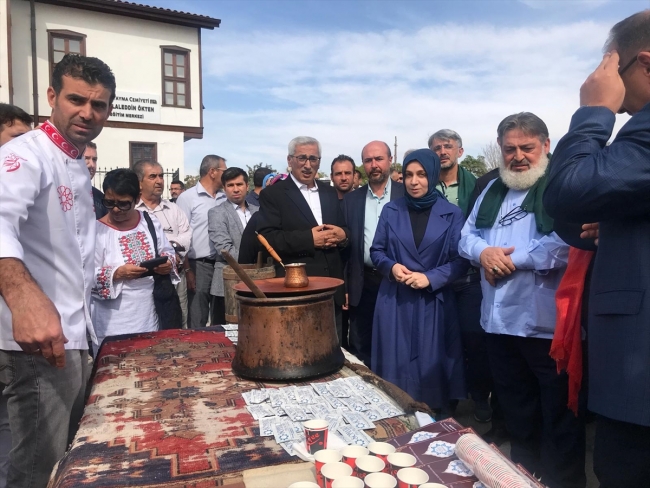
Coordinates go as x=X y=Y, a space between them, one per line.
x=628 y=65
x=303 y=159
x=515 y=214
x=120 y=204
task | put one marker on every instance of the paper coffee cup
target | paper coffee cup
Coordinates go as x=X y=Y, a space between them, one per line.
x=399 y=460
x=411 y=477
x=334 y=471
x=351 y=453
x=321 y=458
x=303 y=484
x=315 y=435
x=368 y=464
x=348 y=482
x=380 y=480
x=381 y=450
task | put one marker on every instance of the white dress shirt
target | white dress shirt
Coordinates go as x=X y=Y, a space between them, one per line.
x=243 y=213
x=173 y=221
x=312 y=198
x=196 y=202
x=523 y=303
x=47 y=221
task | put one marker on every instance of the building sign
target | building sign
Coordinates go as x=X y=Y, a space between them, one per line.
x=136 y=107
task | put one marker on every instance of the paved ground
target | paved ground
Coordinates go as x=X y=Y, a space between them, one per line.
x=465 y=415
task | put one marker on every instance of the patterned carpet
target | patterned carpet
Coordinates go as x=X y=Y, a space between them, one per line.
x=166 y=410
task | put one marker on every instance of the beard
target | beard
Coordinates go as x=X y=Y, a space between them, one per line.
x=378 y=177
x=523 y=180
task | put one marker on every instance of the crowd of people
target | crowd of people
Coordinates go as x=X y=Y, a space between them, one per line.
x=526 y=288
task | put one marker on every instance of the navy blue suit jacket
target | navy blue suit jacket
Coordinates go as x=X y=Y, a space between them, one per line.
x=354 y=209
x=592 y=182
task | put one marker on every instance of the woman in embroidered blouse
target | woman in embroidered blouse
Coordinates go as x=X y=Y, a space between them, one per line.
x=123 y=294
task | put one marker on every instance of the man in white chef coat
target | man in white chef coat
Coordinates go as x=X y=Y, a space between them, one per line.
x=47 y=249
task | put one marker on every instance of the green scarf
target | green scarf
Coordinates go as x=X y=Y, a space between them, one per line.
x=489 y=209
x=466 y=184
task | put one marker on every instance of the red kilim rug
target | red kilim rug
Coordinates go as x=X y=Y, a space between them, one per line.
x=165 y=410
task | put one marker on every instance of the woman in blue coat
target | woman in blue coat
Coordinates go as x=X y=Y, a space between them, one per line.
x=415 y=337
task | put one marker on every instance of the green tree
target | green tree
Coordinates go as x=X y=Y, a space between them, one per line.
x=251 y=172
x=190 y=181
x=476 y=166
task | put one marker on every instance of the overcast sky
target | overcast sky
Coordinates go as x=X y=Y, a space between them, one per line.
x=348 y=72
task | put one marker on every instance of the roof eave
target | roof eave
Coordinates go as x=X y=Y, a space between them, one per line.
x=137 y=11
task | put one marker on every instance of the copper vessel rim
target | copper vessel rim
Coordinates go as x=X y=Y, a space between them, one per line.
x=292 y=298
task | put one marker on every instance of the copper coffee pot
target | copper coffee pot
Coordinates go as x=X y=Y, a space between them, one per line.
x=295 y=274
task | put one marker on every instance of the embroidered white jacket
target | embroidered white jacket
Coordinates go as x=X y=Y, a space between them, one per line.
x=48 y=222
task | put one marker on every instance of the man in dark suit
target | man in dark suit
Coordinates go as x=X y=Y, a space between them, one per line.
x=302 y=219
x=362 y=209
x=590 y=181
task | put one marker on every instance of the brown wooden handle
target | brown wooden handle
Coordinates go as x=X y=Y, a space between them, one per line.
x=268 y=247
x=243 y=275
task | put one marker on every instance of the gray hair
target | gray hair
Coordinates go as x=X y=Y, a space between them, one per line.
x=406 y=153
x=529 y=123
x=630 y=35
x=303 y=141
x=210 y=161
x=138 y=167
x=445 y=135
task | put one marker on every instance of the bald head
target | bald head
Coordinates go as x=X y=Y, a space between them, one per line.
x=376 y=158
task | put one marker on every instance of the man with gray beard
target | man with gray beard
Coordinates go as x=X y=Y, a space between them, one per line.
x=522 y=260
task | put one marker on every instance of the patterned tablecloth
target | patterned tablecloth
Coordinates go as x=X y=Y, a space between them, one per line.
x=166 y=410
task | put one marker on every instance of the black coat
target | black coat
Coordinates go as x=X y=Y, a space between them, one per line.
x=286 y=222
x=354 y=209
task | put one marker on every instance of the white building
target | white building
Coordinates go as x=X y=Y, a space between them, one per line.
x=155 y=54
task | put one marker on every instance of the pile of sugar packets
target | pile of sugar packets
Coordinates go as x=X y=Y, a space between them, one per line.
x=349 y=405
x=232 y=332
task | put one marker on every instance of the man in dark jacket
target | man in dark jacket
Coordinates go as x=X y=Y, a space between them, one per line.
x=362 y=209
x=590 y=181
x=302 y=219
x=90 y=156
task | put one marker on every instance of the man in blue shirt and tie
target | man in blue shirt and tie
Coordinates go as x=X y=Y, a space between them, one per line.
x=522 y=260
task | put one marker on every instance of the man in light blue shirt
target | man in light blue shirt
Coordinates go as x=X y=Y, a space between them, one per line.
x=510 y=236
x=362 y=209
x=196 y=202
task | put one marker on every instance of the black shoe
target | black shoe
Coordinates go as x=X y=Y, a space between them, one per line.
x=496 y=435
x=482 y=411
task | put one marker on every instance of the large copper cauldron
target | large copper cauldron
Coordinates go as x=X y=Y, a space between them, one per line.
x=289 y=335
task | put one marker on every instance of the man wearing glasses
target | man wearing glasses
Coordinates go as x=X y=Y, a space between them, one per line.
x=172 y=219
x=591 y=181
x=196 y=202
x=302 y=219
x=510 y=236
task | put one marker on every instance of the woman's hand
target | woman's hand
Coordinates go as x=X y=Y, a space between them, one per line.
x=417 y=281
x=163 y=269
x=128 y=272
x=400 y=272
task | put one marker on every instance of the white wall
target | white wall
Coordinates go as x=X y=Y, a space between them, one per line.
x=131 y=47
x=113 y=147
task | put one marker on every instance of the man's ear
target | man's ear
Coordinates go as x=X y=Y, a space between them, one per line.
x=643 y=59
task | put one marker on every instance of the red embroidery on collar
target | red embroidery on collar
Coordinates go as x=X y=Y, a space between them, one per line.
x=60 y=141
